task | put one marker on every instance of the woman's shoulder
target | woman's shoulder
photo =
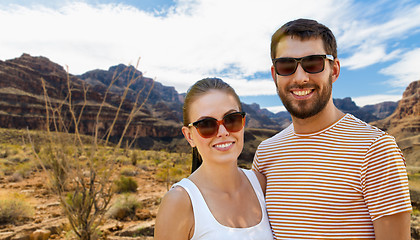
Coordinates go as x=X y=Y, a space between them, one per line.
x=176 y=202
x=175 y=215
x=177 y=196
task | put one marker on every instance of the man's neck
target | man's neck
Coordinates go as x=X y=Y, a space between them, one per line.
x=329 y=115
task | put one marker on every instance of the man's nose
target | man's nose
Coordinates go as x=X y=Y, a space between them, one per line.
x=300 y=76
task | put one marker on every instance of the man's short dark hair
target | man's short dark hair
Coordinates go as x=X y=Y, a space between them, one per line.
x=305 y=29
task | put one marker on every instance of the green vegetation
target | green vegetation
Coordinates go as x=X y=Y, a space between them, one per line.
x=129 y=171
x=416 y=212
x=124 y=207
x=14 y=209
x=18 y=162
x=125 y=185
x=172 y=167
x=15 y=161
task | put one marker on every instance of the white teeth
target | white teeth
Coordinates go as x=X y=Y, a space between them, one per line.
x=302 y=92
x=224 y=145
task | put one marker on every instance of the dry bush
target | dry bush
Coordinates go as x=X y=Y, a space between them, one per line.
x=80 y=168
x=15 y=177
x=17 y=163
x=125 y=185
x=125 y=206
x=172 y=167
x=134 y=158
x=14 y=209
x=129 y=171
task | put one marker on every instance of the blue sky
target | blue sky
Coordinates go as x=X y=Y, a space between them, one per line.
x=182 y=41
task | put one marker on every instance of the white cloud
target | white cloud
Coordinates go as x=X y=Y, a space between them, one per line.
x=405 y=70
x=374 y=99
x=277 y=109
x=195 y=39
x=252 y=88
x=366 y=41
x=368 y=56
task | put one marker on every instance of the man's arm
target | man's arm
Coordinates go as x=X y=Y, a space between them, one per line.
x=385 y=185
x=393 y=227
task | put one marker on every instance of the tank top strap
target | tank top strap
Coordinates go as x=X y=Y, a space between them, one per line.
x=206 y=226
x=255 y=185
x=203 y=217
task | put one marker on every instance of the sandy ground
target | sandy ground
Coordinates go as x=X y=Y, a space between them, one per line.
x=47 y=210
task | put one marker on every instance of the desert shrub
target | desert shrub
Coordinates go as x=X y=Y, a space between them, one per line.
x=4 y=153
x=172 y=170
x=15 y=177
x=13 y=210
x=134 y=158
x=79 y=172
x=125 y=185
x=8 y=170
x=123 y=160
x=25 y=169
x=162 y=174
x=129 y=171
x=12 y=150
x=177 y=173
x=124 y=206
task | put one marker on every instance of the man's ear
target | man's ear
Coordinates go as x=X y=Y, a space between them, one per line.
x=274 y=74
x=335 y=70
x=188 y=135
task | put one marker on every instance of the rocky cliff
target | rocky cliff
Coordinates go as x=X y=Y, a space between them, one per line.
x=22 y=102
x=405 y=120
x=164 y=102
x=404 y=124
x=367 y=113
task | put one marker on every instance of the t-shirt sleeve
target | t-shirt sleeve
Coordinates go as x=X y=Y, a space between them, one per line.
x=384 y=179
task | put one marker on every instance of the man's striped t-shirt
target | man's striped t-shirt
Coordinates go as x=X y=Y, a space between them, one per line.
x=333 y=183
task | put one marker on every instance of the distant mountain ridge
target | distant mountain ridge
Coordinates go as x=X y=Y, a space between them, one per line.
x=164 y=102
x=101 y=79
x=171 y=109
x=367 y=113
x=157 y=124
x=22 y=102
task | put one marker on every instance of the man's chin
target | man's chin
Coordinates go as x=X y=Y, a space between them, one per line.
x=305 y=113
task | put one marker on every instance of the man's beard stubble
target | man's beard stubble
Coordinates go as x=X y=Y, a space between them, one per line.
x=305 y=109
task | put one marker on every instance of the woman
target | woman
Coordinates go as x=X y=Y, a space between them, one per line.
x=218 y=200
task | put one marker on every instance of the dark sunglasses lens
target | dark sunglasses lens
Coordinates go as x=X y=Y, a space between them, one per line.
x=207 y=127
x=313 y=64
x=233 y=122
x=285 y=66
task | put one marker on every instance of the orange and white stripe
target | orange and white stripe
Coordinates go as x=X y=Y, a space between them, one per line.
x=332 y=184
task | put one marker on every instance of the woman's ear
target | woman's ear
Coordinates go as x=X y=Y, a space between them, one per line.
x=188 y=135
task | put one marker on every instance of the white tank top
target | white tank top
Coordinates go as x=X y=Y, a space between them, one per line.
x=207 y=227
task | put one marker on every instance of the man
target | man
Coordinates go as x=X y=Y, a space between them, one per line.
x=329 y=175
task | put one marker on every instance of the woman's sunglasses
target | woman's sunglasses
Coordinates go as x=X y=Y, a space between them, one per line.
x=311 y=64
x=208 y=127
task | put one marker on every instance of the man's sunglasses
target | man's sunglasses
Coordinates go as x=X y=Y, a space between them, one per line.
x=286 y=66
x=208 y=127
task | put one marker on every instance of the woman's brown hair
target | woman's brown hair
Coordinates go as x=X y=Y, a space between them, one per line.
x=200 y=88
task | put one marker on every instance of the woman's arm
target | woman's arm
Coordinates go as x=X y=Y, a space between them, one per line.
x=261 y=179
x=175 y=218
x=391 y=227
